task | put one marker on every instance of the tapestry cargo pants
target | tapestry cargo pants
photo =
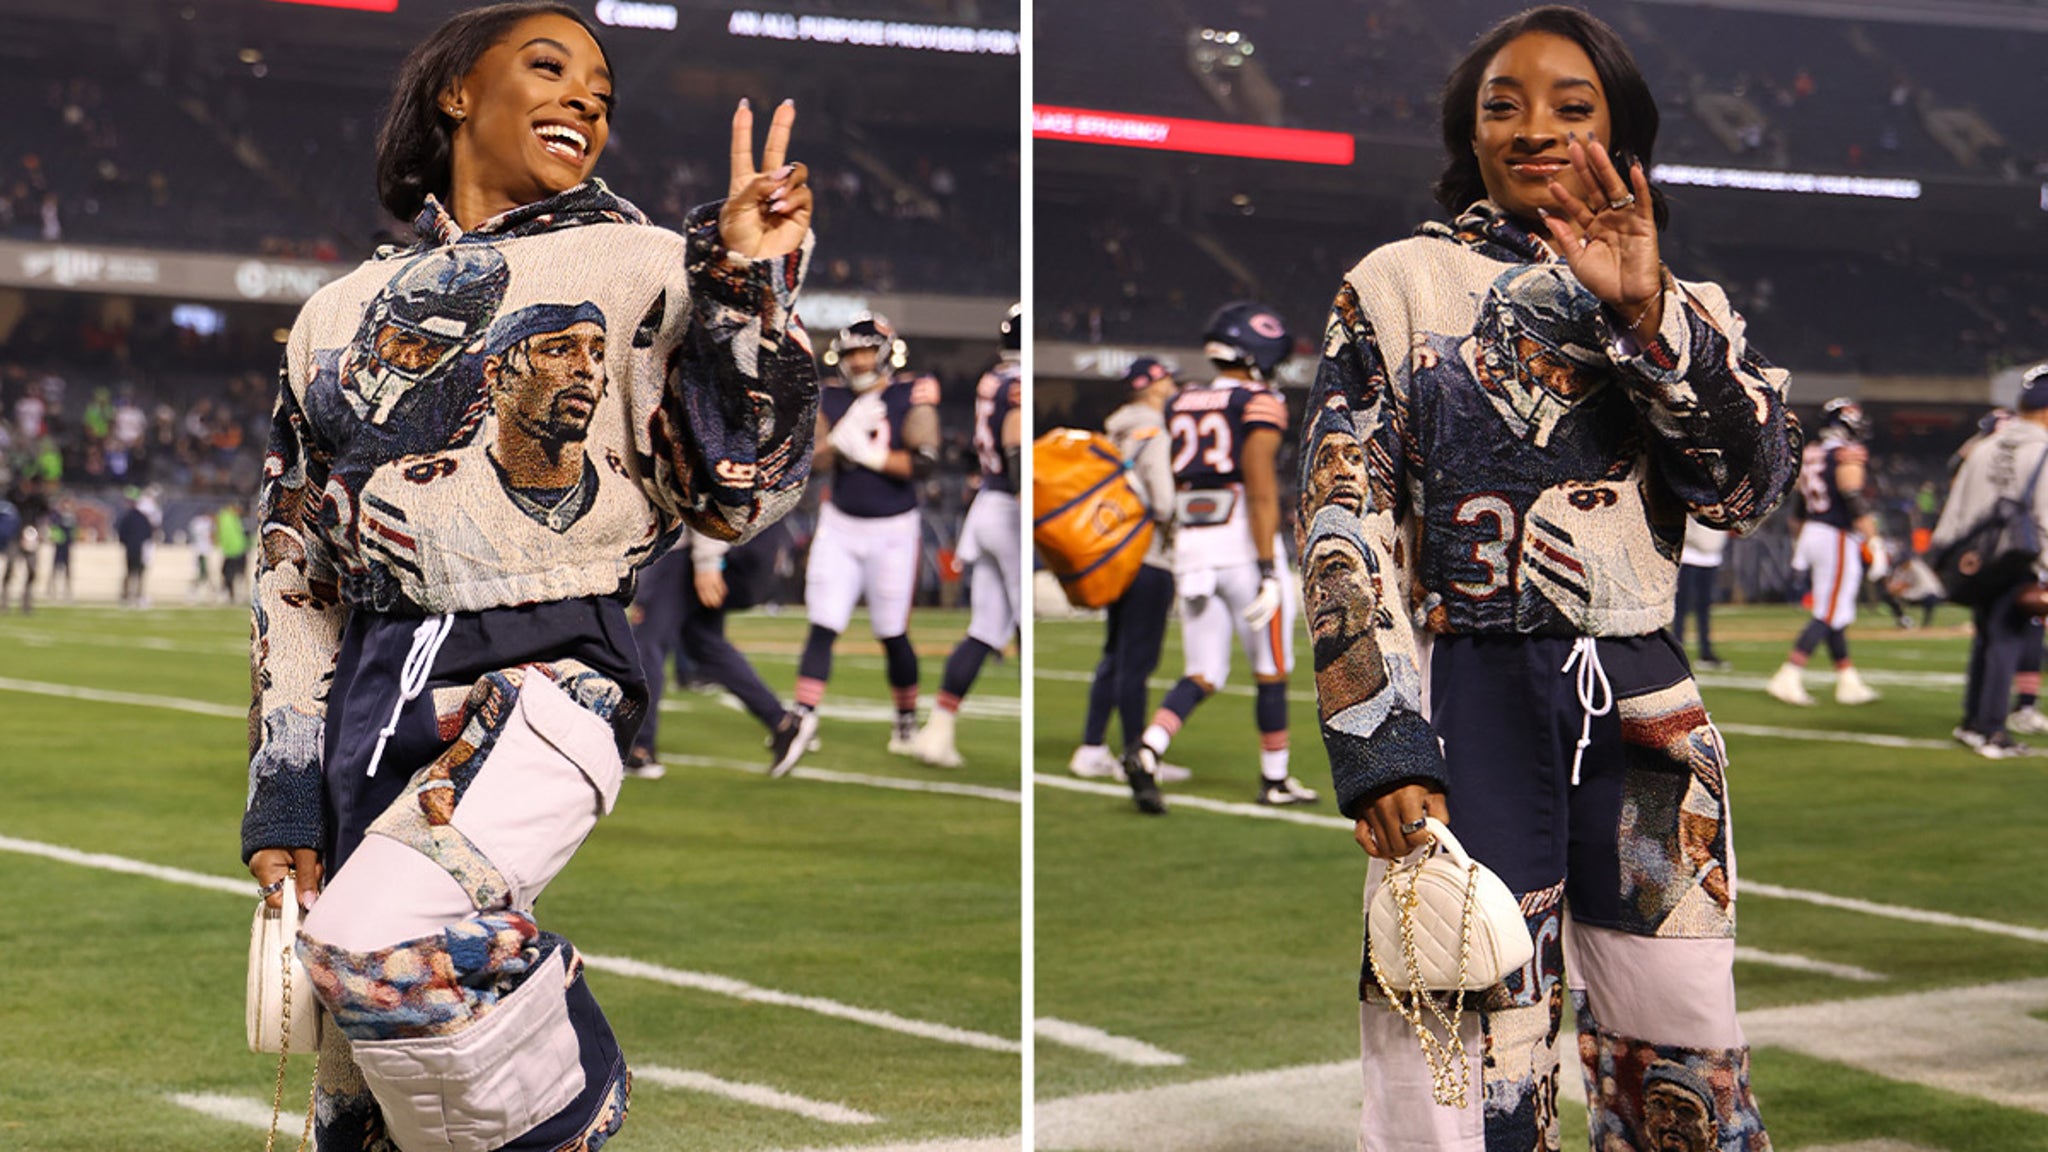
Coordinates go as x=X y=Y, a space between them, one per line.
x=1627 y=881
x=469 y=1027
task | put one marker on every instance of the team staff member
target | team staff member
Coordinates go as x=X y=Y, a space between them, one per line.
x=878 y=436
x=440 y=650
x=1227 y=560
x=1542 y=404
x=990 y=540
x=1833 y=479
x=2000 y=468
x=1137 y=620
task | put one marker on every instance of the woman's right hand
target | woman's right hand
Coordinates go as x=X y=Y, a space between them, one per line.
x=1379 y=830
x=269 y=865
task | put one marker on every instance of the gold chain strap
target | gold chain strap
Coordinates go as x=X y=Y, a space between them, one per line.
x=1450 y=1074
x=284 y=1044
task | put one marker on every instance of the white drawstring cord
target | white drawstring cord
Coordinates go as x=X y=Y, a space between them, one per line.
x=412 y=677
x=1592 y=681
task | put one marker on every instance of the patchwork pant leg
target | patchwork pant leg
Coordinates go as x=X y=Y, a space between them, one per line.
x=1650 y=945
x=472 y=1028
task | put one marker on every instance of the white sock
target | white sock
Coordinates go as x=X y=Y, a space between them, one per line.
x=1156 y=739
x=1273 y=765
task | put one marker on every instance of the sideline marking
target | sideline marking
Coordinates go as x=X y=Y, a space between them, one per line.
x=248 y=1112
x=759 y=1095
x=1122 y=1049
x=138 y=699
x=1014 y=1143
x=618 y=965
x=741 y=990
x=829 y=776
x=854 y=709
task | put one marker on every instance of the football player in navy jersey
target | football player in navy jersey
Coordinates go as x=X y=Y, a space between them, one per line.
x=990 y=541
x=1227 y=559
x=1839 y=525
x=878 y=436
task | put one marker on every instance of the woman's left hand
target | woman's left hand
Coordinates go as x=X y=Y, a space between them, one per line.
x=1611 y=242
x=767 y=208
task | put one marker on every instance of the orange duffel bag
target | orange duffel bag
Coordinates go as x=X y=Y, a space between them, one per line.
x=1088 y=521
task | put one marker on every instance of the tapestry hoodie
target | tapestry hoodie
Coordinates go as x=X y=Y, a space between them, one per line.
x=1488 y=450
x=512 y=417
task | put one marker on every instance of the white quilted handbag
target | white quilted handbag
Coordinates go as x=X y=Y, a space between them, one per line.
x=1442 y=922
x=283 y=1016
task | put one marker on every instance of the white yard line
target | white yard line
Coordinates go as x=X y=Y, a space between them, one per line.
x=829 y=776
x=1121 y=1049
x=1808 y=964
x=618 y=965
x=138 y=699
x=1836 y=736
x=759 y=1095
x=741 y=990
x=246 y=1111
x=152 y=643
x=1176 y=801
x=1894 y=911
x=958 y=1144
x=855 y=709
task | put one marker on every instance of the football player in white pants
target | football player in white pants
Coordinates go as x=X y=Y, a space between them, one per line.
x=878 y=435
x=990 y=542
x=1228 y=562
x=1832 y=475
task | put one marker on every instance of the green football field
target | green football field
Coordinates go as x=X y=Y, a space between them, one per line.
x=822 y=961
x=1893 y=977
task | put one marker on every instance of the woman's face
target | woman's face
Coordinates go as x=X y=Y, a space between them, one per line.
x=1535 y=92
x=537 y=112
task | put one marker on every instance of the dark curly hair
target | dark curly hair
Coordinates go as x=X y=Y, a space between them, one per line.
x=415 y=144
x=1630 y=108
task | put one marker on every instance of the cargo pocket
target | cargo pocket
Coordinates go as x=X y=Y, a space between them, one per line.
x=480 y=1088
x=551 y=773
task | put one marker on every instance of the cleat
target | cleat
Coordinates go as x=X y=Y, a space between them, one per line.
x=793 y=736
x=1968 y=737
x=642 y=766
x=1787 y=686
x=1710 y=664
x=1094 y=762
x=1280 y=793
x=1138 y=773
x=2029 y=721
x=2002 y=747
x=1850 y=688
x=933 y=743
x=1173 y=773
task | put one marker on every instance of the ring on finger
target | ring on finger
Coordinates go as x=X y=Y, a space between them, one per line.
x=1411 y=827
x=1628 y=201
x=266 y=891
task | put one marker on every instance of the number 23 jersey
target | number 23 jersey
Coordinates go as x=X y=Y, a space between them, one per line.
x=1209 y=426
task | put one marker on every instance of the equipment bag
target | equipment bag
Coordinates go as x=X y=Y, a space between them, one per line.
x=1996 y=554
x=1090 y=525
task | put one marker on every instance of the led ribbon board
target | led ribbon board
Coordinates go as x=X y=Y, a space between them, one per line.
x=1209 y=137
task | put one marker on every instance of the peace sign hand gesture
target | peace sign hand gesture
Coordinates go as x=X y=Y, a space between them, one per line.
x=1611 y=243
x=767 y=210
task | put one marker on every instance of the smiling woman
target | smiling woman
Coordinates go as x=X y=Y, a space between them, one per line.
x=479 y=440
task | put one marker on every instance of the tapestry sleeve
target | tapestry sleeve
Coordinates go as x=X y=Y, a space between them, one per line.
x=733 y=433
x=1357 y=564
x=1724 y=438
x=295 y=631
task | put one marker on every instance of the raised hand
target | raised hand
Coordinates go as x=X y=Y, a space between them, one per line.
x=767 y=208
x=1611 y=242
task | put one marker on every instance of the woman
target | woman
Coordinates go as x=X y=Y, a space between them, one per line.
x=478 y=441
x=1542 y=405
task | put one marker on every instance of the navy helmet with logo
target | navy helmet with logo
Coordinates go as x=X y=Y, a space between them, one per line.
x=1012 y=330
x=1846 y=414
x=1248 y=334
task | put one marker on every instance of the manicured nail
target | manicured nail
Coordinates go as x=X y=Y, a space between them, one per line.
x=789 y=102
x=778 y=206
x=744 y=103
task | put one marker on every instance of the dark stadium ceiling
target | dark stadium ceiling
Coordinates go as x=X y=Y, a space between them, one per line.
x=361 y=49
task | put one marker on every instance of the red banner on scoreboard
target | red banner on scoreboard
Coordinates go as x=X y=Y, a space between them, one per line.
x=355 y=5
x=1210 y=137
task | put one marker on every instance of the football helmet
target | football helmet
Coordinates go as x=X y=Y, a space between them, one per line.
x=1244 y=333
x=1012 y=332
x=1846 y=414
x=869 y=330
